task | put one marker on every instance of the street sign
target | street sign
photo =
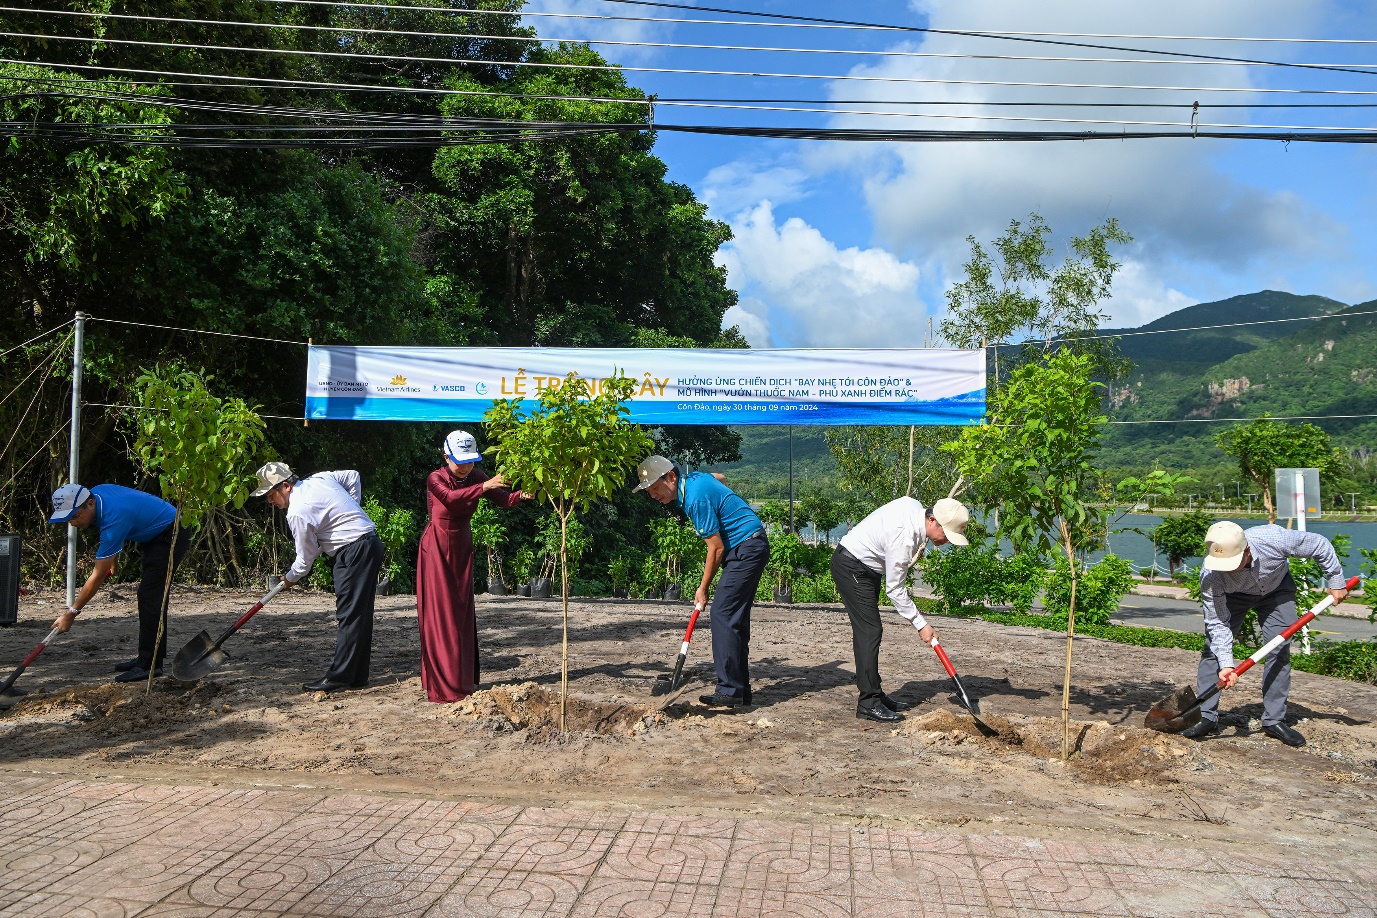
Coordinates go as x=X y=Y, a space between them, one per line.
x=1291 y=483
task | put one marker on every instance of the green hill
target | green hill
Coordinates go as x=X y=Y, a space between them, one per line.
x=1324 y=367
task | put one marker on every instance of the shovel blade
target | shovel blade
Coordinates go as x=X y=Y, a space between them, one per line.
x=1166 y=715
x=198 y=658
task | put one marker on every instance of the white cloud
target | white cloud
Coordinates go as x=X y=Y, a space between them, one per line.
x=803 y=291
x=1140 y=296
x=741 y=184
x=620 y=30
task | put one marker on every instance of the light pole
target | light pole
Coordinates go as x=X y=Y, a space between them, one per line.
x=1353 y=501
x=1222 y=497
x=1250 y=502
x=1190 y=502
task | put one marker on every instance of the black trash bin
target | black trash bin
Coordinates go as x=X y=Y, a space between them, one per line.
x=9 y=578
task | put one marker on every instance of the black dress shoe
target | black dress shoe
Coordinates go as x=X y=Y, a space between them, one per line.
x=722 y=701
x=879 y=712
x=1285 y=734
x=326 y=685
x=137 y=674
x=127 y=665
x=1201 y=730
x=894 y=704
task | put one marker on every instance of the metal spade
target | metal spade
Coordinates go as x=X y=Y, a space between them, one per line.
x=202 y=656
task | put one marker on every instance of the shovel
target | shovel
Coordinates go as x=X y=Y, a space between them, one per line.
x=970 y=704
x=668 y=686
x=201 y=655
x=33 y=655
x=1181 y=709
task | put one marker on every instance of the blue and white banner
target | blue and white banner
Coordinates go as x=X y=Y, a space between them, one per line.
x=674 y=386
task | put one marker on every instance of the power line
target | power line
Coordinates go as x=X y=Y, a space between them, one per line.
x=195 y=331
x=555 y=65
x=1167 y=331
x=269 y=417
x=864 y=52
x=1298 y=417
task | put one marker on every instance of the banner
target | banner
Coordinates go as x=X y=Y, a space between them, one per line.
x=674 y=386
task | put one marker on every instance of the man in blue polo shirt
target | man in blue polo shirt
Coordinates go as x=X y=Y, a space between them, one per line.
x=125 y=515
x=736 y=543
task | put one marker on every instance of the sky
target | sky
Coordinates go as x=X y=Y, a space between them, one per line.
x=854 y=244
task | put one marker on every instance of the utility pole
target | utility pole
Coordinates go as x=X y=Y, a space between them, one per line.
x=1250 y=502
x=791 y=478
x=1353 y=501
x=1190 y=502
x=74 y=448
x=1222 y=497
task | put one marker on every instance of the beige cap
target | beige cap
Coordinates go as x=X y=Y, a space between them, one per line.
x=952 y=516
x=272 y=475
x=1224 y=545
x=651 y=470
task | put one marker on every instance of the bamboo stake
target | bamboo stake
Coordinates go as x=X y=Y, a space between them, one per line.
x=1070 y=635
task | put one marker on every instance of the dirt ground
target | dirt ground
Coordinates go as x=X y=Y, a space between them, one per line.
x=799 y=752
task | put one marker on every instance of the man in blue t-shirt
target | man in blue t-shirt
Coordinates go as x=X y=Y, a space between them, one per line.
x=737 y=545
x=125 y=515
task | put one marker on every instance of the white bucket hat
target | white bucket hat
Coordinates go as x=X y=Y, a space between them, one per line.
x=651 y=470
x=1224 y=546
x=952 y=516
x=462 y=448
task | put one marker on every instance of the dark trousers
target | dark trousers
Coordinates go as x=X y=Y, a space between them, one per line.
x=742 y=567
x=859 y=587
x=152 y=583
x=1275 y=613
x=356 y=588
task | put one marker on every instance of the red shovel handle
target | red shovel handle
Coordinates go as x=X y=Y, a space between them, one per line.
x=1290 y=632
x=942 y=655
x=693 y=620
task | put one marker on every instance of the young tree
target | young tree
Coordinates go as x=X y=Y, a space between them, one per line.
x=1181 y=537
x=571 y=448
x=1034 y=457
x=199 y=446
x=1265 y=445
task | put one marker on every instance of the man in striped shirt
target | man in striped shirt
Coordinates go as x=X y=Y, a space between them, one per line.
x=1249 y=570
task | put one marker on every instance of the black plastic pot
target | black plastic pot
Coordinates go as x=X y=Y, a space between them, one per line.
x=540 y=588
x=784 y=595
x=523 y=589
x=673 y=593
x=385 y=586
x=496 y=587
x=620 y=593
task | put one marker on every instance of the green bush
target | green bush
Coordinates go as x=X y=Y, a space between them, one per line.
x=787 y=554
x=397 y=530
x=1019 y=580
x=816 y=588
x=1098 y=592
x=960 y=576
x=1355 y=660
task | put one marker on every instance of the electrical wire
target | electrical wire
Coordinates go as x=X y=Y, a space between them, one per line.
x=557 y=65
x=269 y=417
x=19 y=385
x=1167 y=331
x=863 y=52
x=57 y=433
x=1298 y=417
x=195 y=331
x=805 y=76
x=8 y=351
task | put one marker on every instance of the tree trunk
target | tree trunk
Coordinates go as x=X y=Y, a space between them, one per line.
x=564 y=593
x=521 y=269
x=1070 y=635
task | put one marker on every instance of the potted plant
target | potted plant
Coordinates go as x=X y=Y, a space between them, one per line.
x=396 y=528
x=619 y=572
x=652 y=577
x=786 y=554
x=521 y=569
x=489 y=533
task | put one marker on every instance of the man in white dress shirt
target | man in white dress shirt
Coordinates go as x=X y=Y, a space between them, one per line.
x=883 y=547
x=325 y=518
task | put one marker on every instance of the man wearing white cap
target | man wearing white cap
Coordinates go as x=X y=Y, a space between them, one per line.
x=125 y=515
x=1247 y=570
x=325 y=518
x=884 y=547
x=737 y=545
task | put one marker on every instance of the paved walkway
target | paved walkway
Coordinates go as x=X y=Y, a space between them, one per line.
x=74 y=848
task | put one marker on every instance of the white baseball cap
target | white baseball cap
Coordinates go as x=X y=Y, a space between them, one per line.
x=952 y=516
x=270 y=476
x=67 y=500
x=462 y=448
x=651 y=470
x=1224 y=546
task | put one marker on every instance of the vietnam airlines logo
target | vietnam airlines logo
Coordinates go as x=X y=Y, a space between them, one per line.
x=399 y=380
x=398 y=385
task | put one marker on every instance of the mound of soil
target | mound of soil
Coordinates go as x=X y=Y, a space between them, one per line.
x=535 y=709
x=116 y=709
x=1102 y=753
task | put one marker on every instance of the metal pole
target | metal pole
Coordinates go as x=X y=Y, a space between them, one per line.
x=1298 y=495
x=74 y=449
x=791 y=478
x=909 y=492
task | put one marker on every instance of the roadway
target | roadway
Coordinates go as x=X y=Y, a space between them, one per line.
x=1183 y=615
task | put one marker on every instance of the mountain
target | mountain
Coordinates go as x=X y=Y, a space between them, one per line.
x=1285 y=368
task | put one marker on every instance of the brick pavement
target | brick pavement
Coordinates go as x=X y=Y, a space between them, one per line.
x=74 y=848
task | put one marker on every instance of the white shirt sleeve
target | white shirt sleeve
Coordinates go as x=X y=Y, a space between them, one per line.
x=307 y=548
x=352 y=482
x=899 y=555
x=1217 y=631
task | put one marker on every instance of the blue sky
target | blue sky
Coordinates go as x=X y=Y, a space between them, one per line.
x=853 y=244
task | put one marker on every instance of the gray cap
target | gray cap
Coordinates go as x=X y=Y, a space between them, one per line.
x=651 y=470
x=270 y=476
